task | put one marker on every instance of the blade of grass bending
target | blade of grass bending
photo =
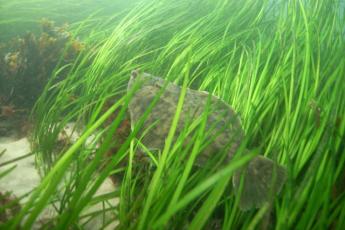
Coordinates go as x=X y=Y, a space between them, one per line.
x=52 y=179
x=203 y=186
x=156 y=177
x=16 y=159
x=89 y=170
x=105 y=172
x=7 y=171
x=210 y=204
x=259 y=215
x=193 y=155
x=79 y=202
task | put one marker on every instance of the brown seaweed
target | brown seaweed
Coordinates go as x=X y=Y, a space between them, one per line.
x=27 y=64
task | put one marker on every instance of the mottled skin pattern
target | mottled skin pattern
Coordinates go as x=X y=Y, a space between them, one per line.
x=222 y=122
x=262 y=176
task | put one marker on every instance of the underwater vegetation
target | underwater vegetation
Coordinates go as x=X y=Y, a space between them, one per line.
x=221 y=138
x=27 y=64
x=10 y=207
x=279 y=64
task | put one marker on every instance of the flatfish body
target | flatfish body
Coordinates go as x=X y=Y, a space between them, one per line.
x=223 y=125
x=223 y=132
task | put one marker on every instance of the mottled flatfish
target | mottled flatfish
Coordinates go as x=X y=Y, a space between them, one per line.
x=223 y=128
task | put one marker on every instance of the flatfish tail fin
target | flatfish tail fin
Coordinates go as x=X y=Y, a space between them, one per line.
x=263 y=179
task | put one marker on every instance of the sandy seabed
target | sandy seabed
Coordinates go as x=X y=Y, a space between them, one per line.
x=25 y=177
